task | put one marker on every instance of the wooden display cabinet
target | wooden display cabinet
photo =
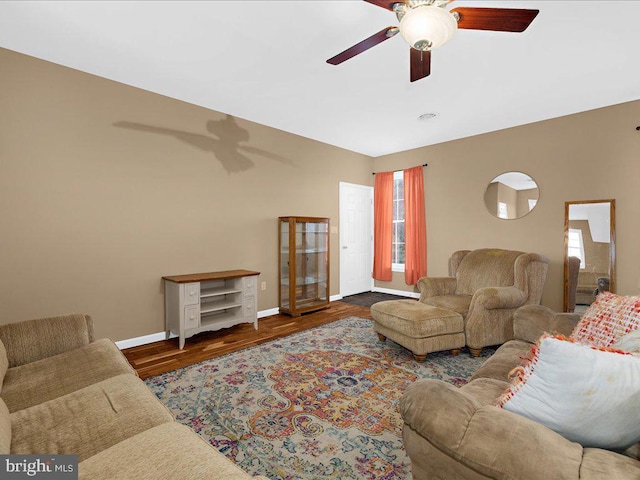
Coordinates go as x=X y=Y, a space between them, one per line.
x=303 y=248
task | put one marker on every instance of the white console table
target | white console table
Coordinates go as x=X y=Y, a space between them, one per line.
x=201 y=302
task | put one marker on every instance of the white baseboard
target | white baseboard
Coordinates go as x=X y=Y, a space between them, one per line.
x=136 y=342
x=266 y=313
x=401 y=293
x=157 y=337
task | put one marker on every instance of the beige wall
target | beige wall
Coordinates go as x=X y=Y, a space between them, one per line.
x=596 y=253
x=508 y=195
x=591 y=155
x=517 y=201
x=94 y=214
x=523 y=197
x=491 y=198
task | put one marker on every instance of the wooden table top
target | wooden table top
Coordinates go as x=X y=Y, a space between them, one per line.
x=205 y=277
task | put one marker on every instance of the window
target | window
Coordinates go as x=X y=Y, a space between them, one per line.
x=576 y=245
x=502 y=210
x=397 y=243
x=532 y=203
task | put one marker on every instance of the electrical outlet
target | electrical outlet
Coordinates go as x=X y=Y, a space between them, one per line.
x=263 y=286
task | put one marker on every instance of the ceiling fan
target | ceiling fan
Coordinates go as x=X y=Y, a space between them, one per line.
x=426 y=24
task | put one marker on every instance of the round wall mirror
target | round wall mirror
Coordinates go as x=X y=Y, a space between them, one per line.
x=511 y=195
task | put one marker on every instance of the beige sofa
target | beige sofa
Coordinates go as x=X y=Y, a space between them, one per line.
x=486 y=286
x=457 y=433
x=63 y=392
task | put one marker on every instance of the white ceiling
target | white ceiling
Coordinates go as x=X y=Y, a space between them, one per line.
x=516 y=180
x=599 y=217
x=265 y=61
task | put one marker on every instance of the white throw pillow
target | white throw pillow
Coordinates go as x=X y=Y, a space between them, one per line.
x=587 y=394
x=629 y=343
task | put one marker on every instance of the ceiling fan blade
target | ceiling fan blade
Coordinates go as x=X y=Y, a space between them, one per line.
x=384 y=3
x=364 y=45
x=420 y=64
x=496 y=19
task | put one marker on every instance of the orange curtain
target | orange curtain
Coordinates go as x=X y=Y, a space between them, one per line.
x=415 y=226
x=382 y=225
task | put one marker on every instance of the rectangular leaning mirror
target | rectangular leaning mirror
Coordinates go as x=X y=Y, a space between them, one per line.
x=589 y=251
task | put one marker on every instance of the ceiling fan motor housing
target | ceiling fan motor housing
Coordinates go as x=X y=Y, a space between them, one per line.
x=427 y=24
x=426 y=27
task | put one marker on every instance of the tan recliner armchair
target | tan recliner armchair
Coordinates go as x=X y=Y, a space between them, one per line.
x=486 y=286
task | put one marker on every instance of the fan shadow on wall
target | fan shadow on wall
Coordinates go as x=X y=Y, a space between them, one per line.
x=225 y=142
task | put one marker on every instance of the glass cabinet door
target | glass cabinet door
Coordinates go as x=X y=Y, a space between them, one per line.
x=304 y=264
x=311 y=263
x=284 y=264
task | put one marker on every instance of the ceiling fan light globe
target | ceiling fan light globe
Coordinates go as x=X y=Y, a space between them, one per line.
x=427 y=27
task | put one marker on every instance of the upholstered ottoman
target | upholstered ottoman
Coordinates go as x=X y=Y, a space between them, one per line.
x=418 y=327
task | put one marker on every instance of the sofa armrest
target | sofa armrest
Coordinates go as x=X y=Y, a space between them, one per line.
x=436 y=286
x=487 y=439
x=531 y=321
x=34 y=340
x=491 y=298
x=455 y=407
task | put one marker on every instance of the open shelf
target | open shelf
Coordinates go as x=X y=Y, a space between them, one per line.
x=220 y=319
x=304 y=281
x=218 y=291
x=217 y=306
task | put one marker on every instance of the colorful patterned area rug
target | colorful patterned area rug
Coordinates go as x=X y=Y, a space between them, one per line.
x=319 y=404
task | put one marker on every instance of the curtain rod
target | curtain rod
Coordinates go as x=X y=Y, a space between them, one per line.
x=424 y=165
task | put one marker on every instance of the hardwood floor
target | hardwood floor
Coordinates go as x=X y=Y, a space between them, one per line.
x=160 y=357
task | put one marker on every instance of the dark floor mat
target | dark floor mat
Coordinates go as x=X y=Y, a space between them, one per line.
x=369 y=298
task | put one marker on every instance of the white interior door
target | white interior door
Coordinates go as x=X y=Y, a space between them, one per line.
x=356 y=238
